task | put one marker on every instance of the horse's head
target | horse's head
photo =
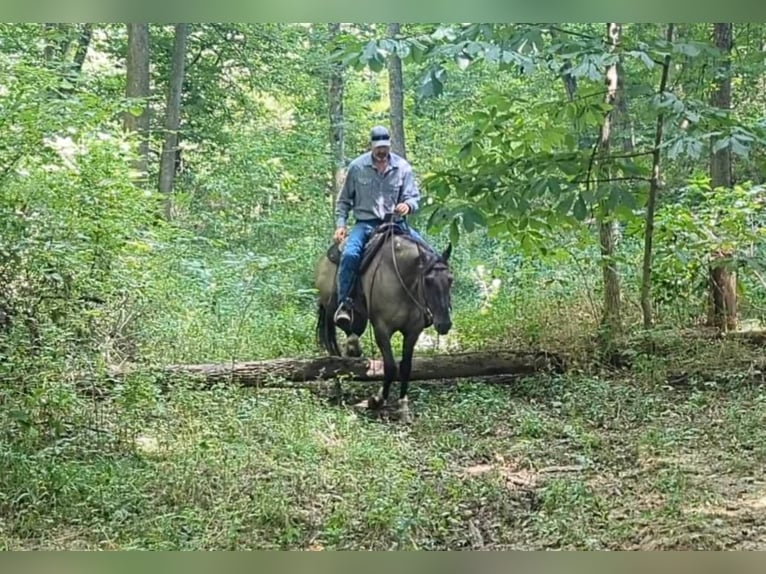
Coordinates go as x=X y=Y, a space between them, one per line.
x=437 y=279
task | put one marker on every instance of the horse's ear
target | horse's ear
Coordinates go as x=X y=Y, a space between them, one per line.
x=447 y=252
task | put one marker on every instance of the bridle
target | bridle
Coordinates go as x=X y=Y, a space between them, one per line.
x=435 y=260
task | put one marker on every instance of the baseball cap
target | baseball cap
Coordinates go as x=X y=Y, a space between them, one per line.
x=379 y=136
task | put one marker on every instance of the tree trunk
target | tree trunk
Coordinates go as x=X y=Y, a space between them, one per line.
x=83 y=43
x=646 y=279
x=56 y=42
x=49 y=51
x=66 y=47
x=611 y=320
x=722 y=280
x=570 y=82
x=173 y=114
x=275 y=372
x=137 y=86
x=337 y=138
x=396 y=97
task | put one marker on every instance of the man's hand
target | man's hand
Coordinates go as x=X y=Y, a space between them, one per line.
x=339 y=234
x=402 y=209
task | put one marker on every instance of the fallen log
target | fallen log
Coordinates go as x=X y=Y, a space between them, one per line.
x=275 y=372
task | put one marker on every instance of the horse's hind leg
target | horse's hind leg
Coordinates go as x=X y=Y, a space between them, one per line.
x=353 y=347
x=405 y=371
x=383 y=339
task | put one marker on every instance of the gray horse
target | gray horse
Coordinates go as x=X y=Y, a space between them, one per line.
x=403 y=287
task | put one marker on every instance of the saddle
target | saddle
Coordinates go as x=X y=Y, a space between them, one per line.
x=373 y=244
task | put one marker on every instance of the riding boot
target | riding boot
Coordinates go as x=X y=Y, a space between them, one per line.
x=342 y=316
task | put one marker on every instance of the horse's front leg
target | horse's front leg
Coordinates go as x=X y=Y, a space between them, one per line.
x=405 y=372
x=383 y=339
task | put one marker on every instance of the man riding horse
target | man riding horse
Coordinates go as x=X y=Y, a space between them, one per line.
x=379 y=183
x=401 y=284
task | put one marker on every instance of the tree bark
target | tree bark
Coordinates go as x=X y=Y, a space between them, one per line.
x=275 y=372
x=646 y=279
x=722 y=280
x=83 y=43
x=396 y=97
x=66 y=47
x=173 y=114
x=337 y=137
x=137 y=86
x=611 y=319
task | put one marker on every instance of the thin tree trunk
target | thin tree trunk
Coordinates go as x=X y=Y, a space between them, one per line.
x=173 y=114
x=56 y=43
x=396 y=97
x=337 y=136
x=137 y=86
x=722 y=280
x=646 y=280
x=49 y=52
x=570 y=82
x=83 y=43
x=608 y=229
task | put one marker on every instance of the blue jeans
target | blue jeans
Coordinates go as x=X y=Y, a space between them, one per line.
x=351 y=257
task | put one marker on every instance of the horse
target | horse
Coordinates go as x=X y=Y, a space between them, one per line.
x=402 y=286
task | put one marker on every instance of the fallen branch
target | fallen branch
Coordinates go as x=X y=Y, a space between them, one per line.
x=275 y=372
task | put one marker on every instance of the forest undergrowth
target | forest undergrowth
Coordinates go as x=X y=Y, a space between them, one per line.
x=666 y=452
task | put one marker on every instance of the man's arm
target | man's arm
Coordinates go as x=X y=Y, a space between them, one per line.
x=345 y=199
x=410 y=192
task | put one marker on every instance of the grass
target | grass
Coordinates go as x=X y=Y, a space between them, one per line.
x=577 y=462
x=590 y=460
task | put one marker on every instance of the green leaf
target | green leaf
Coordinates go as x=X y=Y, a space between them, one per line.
x=565 y=204
x=473 y=49
x=688 y=49
x=492 y=55
x=387 y=45
x=370 y=52
x=614 y=198
x=644 y=57
x=432 y=86
x=462 y=62
x=627 y=199
x=738 y=148
x=498 y=226
x=454 y=233
x=136 y=110
x=377 y=63
x=580 y=209
x=465 y=151
x=721 y=144
x=418 y=51
x=528 y=244
x=472 y=218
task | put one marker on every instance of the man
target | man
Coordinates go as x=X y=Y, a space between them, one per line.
x=378 y=183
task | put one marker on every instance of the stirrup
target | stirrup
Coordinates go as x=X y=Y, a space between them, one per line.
x=343 y=313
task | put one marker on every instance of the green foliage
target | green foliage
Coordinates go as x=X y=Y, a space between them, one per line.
x=700 y=223
x=91 y=277
x=71 y=217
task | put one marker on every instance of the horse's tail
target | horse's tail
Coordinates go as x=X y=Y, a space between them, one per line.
x=325 y=329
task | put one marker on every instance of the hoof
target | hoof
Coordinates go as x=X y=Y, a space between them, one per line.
x=353 y=351
x=374 y=403
x=405 y=414
x=353 y=346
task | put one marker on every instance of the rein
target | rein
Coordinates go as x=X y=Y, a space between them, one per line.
x=423 y=307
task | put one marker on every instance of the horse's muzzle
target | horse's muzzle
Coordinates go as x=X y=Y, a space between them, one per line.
x=443 y=327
